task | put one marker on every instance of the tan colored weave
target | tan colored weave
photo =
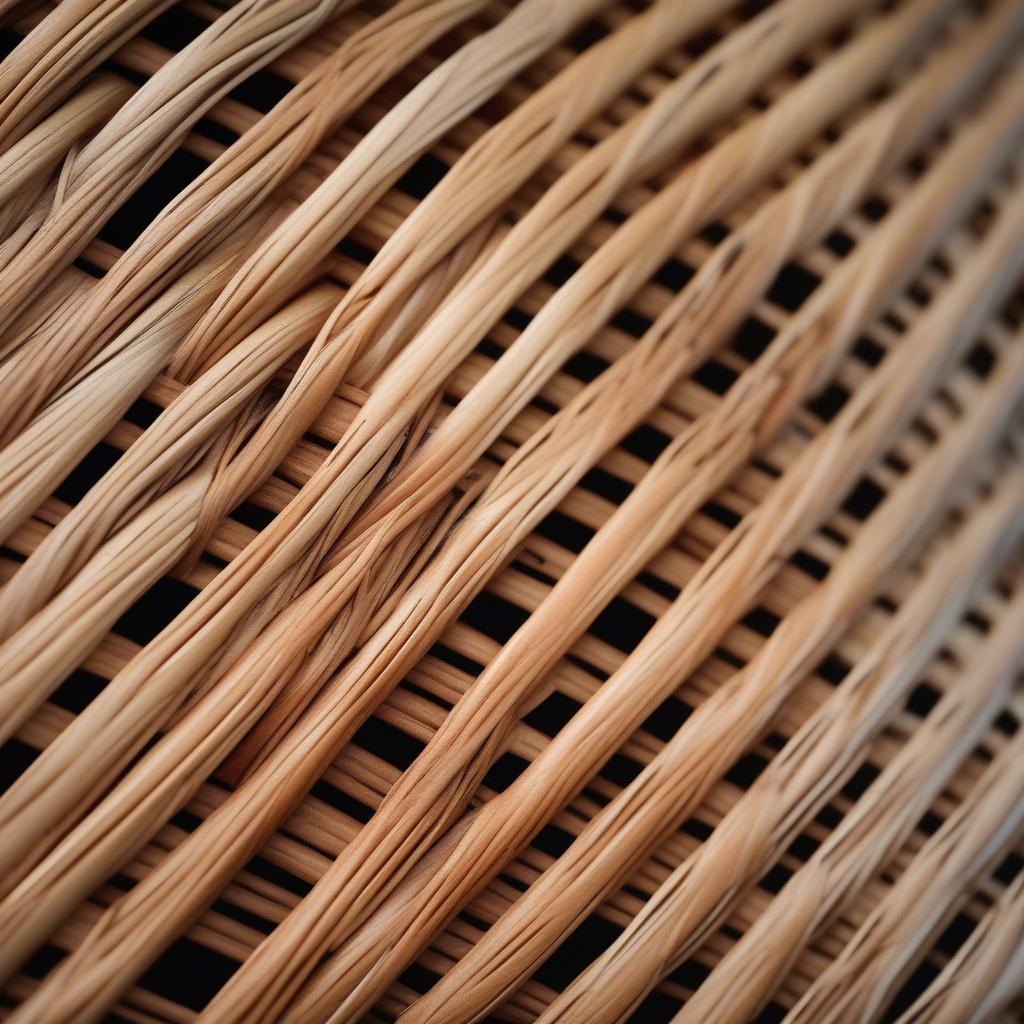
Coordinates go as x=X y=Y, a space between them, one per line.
x=511 y=510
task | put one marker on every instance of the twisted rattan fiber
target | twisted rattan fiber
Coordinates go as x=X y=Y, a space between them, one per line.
x=512 y=510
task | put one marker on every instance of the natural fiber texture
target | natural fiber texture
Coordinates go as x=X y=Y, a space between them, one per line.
x=511 y=511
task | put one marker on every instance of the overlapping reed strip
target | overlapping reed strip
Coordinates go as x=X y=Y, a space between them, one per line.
x=227 y=193
x=357 y=340
x=700 y=892
x=719 y=729
x=43 y=453
x=411 y=253
x=96 y=179
x=868 y=973
x=973 y=835
x=146 y=544
x=26 y=166
x=59 y=53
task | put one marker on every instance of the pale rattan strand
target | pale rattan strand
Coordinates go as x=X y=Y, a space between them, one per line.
x=399 y=262
x=980 y=980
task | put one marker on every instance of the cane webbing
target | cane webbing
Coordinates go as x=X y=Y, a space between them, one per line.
x=532 y=533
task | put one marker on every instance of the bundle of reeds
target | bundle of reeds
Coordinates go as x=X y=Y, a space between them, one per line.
x=512 y=510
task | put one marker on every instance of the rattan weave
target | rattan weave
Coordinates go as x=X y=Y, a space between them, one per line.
x=512 y=510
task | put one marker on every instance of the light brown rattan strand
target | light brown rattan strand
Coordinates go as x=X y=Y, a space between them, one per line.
x=416 y=708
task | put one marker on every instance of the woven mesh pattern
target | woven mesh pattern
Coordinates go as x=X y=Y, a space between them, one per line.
x=644 y=636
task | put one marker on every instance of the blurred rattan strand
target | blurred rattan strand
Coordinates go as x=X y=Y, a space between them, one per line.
x=662 y=795
x=983 y=977
x=864 y=978
x=411 y=542
x=675 y=917
x=852 y=851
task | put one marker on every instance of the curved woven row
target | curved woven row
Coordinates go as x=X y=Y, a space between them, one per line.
x=511 y=510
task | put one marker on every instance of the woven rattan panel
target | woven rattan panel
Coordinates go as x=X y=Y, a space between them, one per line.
x=531 y=532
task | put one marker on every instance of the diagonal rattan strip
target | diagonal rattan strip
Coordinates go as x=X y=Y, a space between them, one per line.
x=434 y=797
x=968 y=841
x=269 y=447
x=128 y=148
x=700 y=886
x=983 y=976
x=705 y=746
x=58 y=54
x=850 y=853
x=248 y=171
